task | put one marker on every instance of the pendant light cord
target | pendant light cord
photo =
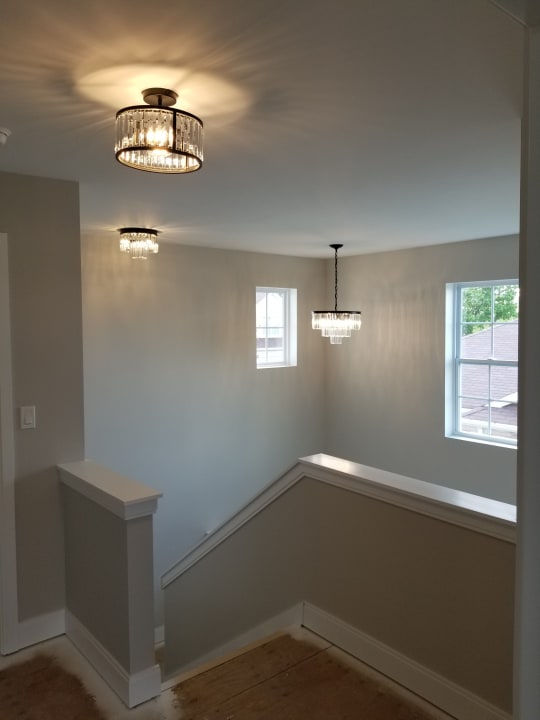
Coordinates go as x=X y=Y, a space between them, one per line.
x=335 y=279
x=335 y=247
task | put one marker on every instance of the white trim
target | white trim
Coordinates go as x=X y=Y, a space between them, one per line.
x=8 y=551
x=473 y=512
x=120 y=495
x=292 y=617
x=132 y=689
x=40 y=628
x=434 y=688
x=482 y=515
x=516 y=10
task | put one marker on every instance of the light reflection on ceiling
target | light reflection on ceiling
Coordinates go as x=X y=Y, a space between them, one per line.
x=376 y=124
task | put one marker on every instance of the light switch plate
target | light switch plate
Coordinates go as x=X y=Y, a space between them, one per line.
x=28 y=417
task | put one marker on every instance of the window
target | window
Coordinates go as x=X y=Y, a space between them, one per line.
x=276 y=327
x=482 y=361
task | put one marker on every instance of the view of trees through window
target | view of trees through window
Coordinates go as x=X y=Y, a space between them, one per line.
x=487 y=361
x=481 y=305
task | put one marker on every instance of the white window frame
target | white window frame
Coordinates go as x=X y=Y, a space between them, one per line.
x=454 y=361
x=289 y=327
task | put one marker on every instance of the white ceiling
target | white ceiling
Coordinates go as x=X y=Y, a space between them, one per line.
x=379 y=124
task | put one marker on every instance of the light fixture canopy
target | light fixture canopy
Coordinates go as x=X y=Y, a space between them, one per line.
x=157 y=137
x=138 y=242
x=336 y=324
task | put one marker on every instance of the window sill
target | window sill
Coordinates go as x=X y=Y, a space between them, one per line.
x=269 y=367
x=479 y=441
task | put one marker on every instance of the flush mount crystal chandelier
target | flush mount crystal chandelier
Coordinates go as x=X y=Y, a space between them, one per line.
x=157 y=137
x=336 y=324
x=138 y=242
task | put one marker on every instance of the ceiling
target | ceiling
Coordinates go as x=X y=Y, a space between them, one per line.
x=380 y=124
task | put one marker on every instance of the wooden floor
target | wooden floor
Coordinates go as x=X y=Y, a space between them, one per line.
x=293 y=679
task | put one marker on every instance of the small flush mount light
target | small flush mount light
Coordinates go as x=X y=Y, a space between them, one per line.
x=157 y=137
x=336 y=324
x=138 y=242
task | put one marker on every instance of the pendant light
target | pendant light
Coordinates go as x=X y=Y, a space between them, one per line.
x=336 y=324
x=157 y=137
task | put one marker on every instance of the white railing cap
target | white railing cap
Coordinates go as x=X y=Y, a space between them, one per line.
x=119 y=494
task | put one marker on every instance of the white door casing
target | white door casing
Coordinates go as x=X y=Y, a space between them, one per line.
x=8 y=558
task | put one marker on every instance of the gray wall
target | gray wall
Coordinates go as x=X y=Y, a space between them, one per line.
x=41 y=219
x=172 y=394
x=173 y=398
x=112 y=600
x=385 y=387
x=446 y=603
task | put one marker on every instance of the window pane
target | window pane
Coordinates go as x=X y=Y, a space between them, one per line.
x=488 y=402
x=505 y=341
x=505 y=302
x=275 y=337
x=503 y=430
x=504 y=402
x=504 y=399
x=260 y=309
x=504 y=383
x=275 y=356
x=474 y=381
x=477 y=345
x=473 y=416
x=476 y=308
x=275 y=308
x=275 y=341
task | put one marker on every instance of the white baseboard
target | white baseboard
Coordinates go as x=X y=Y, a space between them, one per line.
x=131 y=689
x=40 y=628
x=292 y=617
x=434 y=688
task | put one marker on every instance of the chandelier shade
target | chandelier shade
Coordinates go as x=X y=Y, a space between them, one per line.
x=157 y=137
x=139 y=242
x=336 y=324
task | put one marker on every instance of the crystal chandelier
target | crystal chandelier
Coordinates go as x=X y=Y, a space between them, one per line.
x=138 y=242
x=336 y=324
x=157 y=137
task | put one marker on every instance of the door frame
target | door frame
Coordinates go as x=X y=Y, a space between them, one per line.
x=8 y=546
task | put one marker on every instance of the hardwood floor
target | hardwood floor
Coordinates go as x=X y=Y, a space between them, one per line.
x=296 y=679
x=289 y=677
x=161 y=708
